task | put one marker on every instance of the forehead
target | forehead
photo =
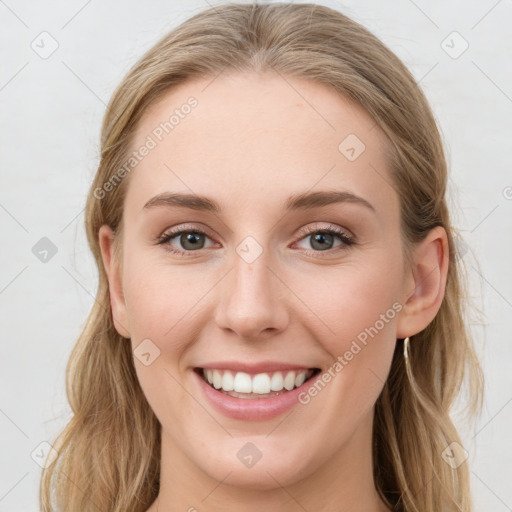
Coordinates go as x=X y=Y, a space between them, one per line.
x=253 y=138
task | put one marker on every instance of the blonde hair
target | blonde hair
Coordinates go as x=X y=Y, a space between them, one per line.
x=109 y=452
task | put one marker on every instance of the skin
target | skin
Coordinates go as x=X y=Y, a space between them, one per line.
x=251 y=142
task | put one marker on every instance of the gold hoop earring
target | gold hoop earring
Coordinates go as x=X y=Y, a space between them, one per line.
x=406 y=349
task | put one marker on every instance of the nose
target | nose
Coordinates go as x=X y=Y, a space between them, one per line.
x=252 y=300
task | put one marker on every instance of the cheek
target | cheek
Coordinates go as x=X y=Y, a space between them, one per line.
x=157 y=296
x=351 y=298
x=160 y=307
x=358 y=310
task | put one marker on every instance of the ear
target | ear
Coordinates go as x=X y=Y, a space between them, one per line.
x=112 y=268
x=424 y=284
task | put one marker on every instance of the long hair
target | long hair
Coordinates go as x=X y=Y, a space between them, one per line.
x=109 y=452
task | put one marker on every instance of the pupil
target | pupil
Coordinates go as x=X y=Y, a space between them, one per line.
x=321 y=237
x=190 y=237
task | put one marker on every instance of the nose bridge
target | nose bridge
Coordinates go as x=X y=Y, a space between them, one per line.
x=252 y=301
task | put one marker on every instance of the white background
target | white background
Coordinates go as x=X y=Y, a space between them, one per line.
x=51 y=113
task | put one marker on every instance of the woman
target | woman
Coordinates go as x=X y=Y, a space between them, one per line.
x=279 y=322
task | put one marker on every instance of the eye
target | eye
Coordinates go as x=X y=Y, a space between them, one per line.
x=322 y=240
x=193 y=239
x=189 y=239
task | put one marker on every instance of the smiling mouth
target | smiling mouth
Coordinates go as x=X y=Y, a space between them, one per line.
x=251 y=386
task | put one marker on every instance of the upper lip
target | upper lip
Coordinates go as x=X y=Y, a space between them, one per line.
x=263 y=367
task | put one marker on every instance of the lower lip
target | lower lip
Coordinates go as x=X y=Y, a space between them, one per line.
x=253 y=409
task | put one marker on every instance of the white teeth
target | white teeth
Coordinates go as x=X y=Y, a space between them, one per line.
x=276 y=384
x=299 y=380
x=242 y=383
x=261 y=383
x=289 y=381
x=217 y=379
x=228 y=381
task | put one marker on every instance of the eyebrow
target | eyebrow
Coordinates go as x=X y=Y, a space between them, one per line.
x=304 y=201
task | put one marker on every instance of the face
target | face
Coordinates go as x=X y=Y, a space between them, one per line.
x=272 y=272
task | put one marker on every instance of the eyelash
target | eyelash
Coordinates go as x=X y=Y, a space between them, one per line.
x=333 y=230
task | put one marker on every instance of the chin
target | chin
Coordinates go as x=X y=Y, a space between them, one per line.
x=274 y=469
